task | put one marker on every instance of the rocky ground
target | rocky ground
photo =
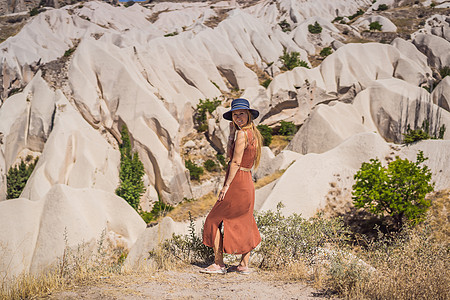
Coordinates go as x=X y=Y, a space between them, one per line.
x=190 y=284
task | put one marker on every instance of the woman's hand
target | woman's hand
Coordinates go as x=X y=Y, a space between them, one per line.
x=222 y=193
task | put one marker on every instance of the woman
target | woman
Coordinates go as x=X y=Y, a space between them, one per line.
x=233 y=210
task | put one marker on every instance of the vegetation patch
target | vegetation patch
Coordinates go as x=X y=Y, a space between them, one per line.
x=266 y=133
x=326 y=51
x=375 y=26
x=131 y=186
x=194 y=170
x=292 y=60
x=315 y=29
x=285 y=26
x=17 y=177
x=204 y=108
x=422 y=133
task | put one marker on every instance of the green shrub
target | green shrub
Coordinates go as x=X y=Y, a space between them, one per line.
x=159 y=209
x=375 y=26
x=358 y=13
x=326 y=51
x=221 y=159
x=316 y=28
x=337 y=19
x=287 y=239
x=266 y=133
x=423 y=133
x=188 y=248
x=287 y=128
x=382 y=7
x=17 y=177
x=210 y=165
x=194 y=170
x=131 y=186
x=398 y=189
x=444 y=71
x=203 y=107
x=171 y=34
x=285 y=26
x=129 y=3
x=292 y=60
x=69 y=52
x=35 y=11
x=266 y=83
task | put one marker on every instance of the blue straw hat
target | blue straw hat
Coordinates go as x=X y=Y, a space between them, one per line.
x=240 y=103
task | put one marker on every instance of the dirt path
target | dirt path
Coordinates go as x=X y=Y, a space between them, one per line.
x=190 y=284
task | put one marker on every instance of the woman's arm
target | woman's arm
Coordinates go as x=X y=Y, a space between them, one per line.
x=235 y=162
x=231 y=140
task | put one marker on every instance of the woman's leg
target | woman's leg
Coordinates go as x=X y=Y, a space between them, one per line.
x=244 y=260
x=218 y=249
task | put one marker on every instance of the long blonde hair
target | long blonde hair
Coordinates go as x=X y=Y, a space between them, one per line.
x=256 y=135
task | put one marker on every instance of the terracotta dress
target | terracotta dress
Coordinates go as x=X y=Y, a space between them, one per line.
x=240 y=233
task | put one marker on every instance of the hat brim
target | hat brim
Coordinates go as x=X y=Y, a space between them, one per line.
x=229 y=116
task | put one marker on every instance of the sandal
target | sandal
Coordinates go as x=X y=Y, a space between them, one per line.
x=221 y=270
x=242 y=270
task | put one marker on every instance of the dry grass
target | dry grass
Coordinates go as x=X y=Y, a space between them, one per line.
x=279 y=142
x=197 y=208
x=268 y=179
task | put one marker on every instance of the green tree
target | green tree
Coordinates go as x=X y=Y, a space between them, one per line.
x=203 y=107
x=287 y=128
x=375 y=26
x=382 y=7
x=194 y=170
x=398 y=189
x=422 y=133
x=266 y=133
x=292 y=60
x=131 y=186
x=17 y=177
x=316 y=28
x=210 y=165
x=285 y=26
x=326 y=51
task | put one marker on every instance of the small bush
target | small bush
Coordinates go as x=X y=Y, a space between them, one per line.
x=358 y=13
x=382 y=7
x=129 y=3
x=131 y=186
x=337 y=19
x=375 y=26
x=187 y=248
x=285 y=26
x=444 y=71
x=287 y=128
x=35 y=11
x=221 y=159
x=398 y=189
x=292 y=60
x=326 y=51
x=266 y=83
x=17 y=177
x=288 y=239
x=423 y=133
x=69 y=52
x=194 y=170
x=171 y=34
x=266 y=133
x=204 y=107
x=159 y=209
x=210 y=165
x=315 y=29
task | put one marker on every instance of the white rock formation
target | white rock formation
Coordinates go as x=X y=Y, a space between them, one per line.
x=441 y=94
x=35 y=233
x=386 y=24
x=435 y=48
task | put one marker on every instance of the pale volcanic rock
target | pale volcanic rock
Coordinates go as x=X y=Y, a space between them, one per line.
x=27 y=119
x=270 y=163
x=386 y=107
x=309 y=41
x=37 y=232
x=441 y=94
x=386 y=24
x=75 y=155
x=435 y=48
